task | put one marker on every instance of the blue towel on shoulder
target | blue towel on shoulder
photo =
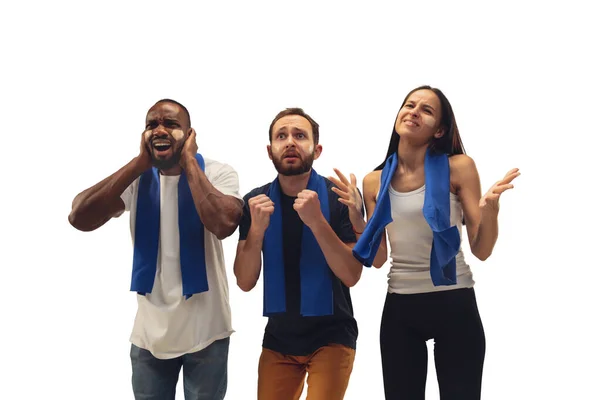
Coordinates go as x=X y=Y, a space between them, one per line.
x=147 y=230
x=316 y=292
x=436 y=210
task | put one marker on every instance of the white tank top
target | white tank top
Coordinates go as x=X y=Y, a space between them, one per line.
x=410 y=240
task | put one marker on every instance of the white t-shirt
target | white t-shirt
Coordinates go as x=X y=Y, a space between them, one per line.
x=410 y=241
x=166 y=323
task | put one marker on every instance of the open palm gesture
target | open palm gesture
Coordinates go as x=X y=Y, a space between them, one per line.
x=350 y=196
x=490 y=201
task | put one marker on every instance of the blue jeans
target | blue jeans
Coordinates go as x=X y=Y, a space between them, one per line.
x=204 y=373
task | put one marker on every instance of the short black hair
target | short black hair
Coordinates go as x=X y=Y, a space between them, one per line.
x=187 y=113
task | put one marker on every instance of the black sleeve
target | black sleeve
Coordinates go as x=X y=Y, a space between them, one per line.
x=344 y=228
x=246 y=220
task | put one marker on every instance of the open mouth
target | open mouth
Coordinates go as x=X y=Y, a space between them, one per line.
x=410 y=122
x=161 y=145
x=291 y=156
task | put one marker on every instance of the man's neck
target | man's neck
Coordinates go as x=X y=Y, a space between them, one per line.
x=292 y=185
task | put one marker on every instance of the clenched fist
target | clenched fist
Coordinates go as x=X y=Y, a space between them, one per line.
x=308 y=207
x=261 y=209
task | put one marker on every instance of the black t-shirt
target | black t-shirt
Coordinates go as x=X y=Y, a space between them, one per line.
x=290 y=333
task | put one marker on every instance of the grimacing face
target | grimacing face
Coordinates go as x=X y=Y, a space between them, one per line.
x=420 y=116
x=166 y=131
x=292 y=147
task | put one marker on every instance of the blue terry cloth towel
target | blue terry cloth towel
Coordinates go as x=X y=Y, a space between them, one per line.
x=147 y=229
x=436 y=210
x=315 y=276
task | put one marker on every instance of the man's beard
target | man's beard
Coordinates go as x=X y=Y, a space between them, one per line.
x=292 y=170
x=166 y=163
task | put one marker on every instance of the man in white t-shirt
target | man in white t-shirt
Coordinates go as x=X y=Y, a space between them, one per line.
x=181 y=206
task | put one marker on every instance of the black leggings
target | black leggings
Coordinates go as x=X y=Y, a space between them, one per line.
x=449 y=317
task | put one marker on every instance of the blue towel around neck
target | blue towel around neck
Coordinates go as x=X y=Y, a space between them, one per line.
x=436 y=210
x=316 y=292
x=147 y=232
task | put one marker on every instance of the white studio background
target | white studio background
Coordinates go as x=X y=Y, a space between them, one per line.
x=78 y=77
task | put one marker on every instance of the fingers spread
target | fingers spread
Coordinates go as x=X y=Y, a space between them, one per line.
x=512 y=171
x=512 y=174
x=346 y=202
x=341 y=193
x=502 y=188
x=341 y=176
x=336 y=182
x=492 y=197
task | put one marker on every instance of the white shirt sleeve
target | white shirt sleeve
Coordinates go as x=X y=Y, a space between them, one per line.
x=127 y=195
x=224 y=178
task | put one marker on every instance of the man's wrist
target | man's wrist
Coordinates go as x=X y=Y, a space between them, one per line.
x=188 y=162
x=319 y=224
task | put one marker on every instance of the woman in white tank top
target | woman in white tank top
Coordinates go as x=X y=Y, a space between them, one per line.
x=426 y=300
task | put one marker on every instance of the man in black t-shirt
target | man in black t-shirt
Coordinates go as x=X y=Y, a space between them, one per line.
x=305 y=237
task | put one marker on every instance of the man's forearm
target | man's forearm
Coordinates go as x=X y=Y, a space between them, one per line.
x=219 y=213
x=338 y=255
x=248 y=261
x=97 y=204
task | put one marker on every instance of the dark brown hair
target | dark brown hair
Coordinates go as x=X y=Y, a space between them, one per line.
x=450 y=143
x=300 y=112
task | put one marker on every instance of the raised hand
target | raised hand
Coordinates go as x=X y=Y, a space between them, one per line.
x=145 y=158
x=350 y=196
x=190 y=148
x=489 y=203
x=261 y=209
